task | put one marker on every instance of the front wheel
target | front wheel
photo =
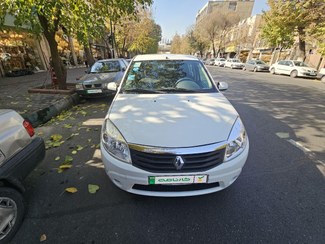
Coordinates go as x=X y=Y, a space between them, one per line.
x=12 y=209
x=323 y=79
x=294 y=74
x=272 y=71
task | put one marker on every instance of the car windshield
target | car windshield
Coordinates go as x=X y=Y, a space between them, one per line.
x=259 y=62
x=105 y=67
x=167 y=76
x=235 y=61
x=300 y=64
x=222 y=59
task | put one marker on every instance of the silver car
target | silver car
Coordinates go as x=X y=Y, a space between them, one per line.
x=103 y=72
x=256 y=65
x=20 y=152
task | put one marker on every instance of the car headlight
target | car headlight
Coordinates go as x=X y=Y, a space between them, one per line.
x=79 y=87
x=237 y=140
x=114 y=142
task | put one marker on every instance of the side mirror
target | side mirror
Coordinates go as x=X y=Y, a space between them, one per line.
x=222 y=86
x=112 y=86
x=123 y=69
x=87 y=71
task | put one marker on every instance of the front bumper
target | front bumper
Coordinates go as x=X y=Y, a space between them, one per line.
x=95 y=92
x=127 y=177
x=263 y=69
x=237 y=66
x=308 y=74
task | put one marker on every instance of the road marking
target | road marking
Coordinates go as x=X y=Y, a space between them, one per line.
x=319 y=163
x=298 y=145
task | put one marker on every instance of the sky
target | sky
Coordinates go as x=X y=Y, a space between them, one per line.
x=175 y=16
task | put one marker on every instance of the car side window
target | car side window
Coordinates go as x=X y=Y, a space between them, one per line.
x=281 y=62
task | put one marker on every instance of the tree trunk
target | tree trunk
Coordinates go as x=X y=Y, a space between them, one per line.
x=214 y=49
x=301 y=44
x=58 y=66
x=73 y=53
x=89 y=55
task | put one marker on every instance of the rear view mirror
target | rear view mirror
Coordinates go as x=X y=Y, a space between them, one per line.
x=222 y=86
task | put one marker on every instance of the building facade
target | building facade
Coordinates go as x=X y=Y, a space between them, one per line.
x=242 y=8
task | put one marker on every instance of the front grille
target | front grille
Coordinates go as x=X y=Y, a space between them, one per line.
x=164 y=163
x=175 y=188
x=93 y=86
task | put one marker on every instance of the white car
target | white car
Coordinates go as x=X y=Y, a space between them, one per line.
x=220 y=62
x=293 y=68
x=321 y=75
x=170 y=131
x=234 y=63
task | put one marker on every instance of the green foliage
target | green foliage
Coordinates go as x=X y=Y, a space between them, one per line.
x=289 y=19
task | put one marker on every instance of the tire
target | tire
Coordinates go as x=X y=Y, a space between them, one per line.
x=294 y=74
x=11 y=204
x=255 y=69
x=323 y=79
x=272 y=71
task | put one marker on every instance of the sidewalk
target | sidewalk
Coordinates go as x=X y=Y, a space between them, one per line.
x=38 y=108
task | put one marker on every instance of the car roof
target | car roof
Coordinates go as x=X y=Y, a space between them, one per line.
x=114 y=59
x=147 y=57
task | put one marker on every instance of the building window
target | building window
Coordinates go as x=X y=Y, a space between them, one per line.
x=232 y=6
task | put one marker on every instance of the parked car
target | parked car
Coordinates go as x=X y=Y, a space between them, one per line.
x=210 y=61
x=321 y=75
x=103 y=72
x=256 y=65
x=234 y=63
x=185 y=139
x=20 y=152
x=220 y=62
x=293 y=68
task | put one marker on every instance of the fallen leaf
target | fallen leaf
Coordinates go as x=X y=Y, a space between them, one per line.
x=57 y=158
x=71 y=189
x=56 y=137
x=89 y=140
x=60 y=171
x=74 y=152
x=79 y=148
x=65 y=166
x=68 y=159
x=93 y=188
x=42 y=238
x=68 y=126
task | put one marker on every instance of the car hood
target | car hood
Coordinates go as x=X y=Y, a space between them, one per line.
x=309 y=69
x=101 y=78
x=173 y=120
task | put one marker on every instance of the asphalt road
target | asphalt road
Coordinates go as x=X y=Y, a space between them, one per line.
x=279 y=197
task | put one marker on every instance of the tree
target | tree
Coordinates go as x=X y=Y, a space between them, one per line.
x=83 y=18
x=289 y=18
x=196 y=42
x=140 y=35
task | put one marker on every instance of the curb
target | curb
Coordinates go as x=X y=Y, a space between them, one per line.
x=43 y=115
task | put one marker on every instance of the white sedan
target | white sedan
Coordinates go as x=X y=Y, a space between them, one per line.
x=293 y=68
x=170 y=131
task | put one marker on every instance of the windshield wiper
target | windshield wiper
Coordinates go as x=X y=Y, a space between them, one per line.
x=137 y=90
x=177 y=90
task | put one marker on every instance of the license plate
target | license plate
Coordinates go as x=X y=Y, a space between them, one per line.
x=177 y=180
x=94 y=91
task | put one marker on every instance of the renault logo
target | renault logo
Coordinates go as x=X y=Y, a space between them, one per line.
x=179 y=162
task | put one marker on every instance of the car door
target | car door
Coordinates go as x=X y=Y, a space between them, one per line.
x=288 y=67
x=280 y=67
x=251 y=65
